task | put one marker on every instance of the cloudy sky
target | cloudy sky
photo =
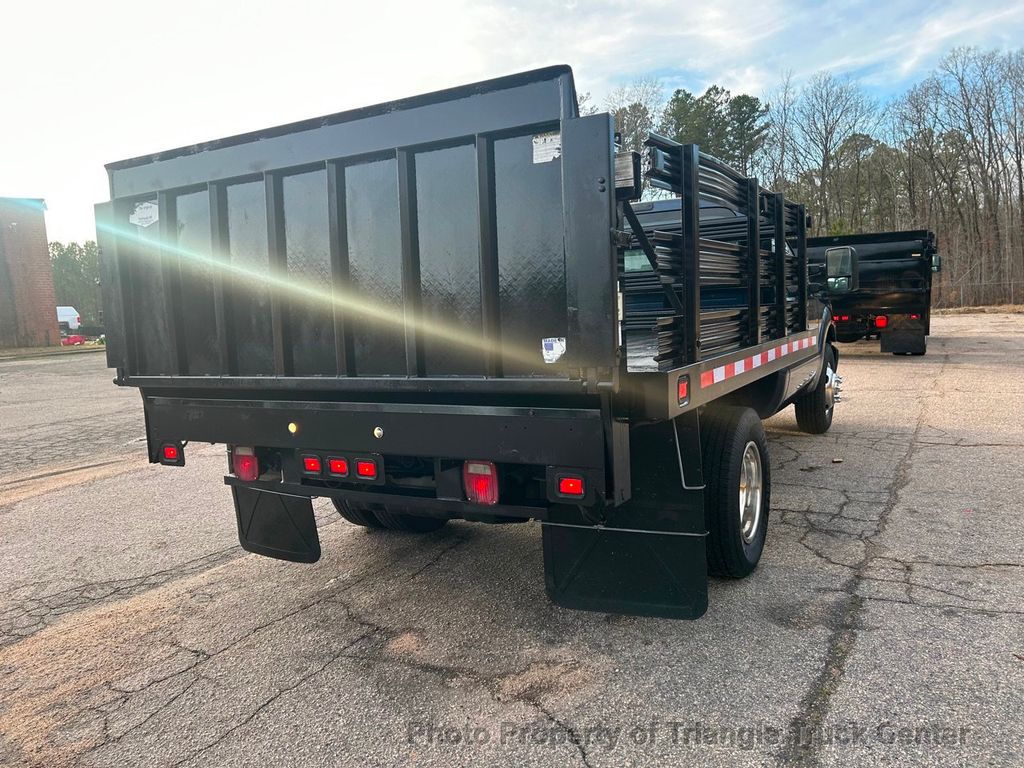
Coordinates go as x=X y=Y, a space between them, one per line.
x=86 y=83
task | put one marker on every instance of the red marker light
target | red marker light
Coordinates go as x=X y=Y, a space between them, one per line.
x=570 y=486
x=312 y=465
x=915 y=317
x=366 y=469
x=881 y=321
x=480 y=480
x=171 y=455
x=245 y=464
x=337 y=467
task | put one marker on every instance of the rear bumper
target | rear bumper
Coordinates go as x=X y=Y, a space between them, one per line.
x=549 y=436
x=419 y=450
x=420 y=505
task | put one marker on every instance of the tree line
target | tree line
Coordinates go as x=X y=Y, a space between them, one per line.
x=76 y=278
x=946 y=155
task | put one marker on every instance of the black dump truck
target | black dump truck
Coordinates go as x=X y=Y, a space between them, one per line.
x=452 y=306
x=891 y=293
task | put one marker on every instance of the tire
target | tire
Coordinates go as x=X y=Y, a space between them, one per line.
x=814 y=410
x=735 y=541
x=399 y=521
x=356 y=515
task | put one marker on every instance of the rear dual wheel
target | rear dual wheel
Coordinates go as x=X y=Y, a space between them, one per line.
x=384 y=518
x=737 y=494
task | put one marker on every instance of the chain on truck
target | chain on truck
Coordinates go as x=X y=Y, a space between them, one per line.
x=455 y=306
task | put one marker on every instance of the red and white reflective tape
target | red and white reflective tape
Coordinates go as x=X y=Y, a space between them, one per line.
x=727 y=371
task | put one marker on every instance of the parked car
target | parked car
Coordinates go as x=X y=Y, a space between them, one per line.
x=68 y=318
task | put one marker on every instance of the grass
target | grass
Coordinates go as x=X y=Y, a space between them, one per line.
x=995 y=309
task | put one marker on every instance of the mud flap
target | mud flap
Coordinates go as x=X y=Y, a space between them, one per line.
x=649 y=557
x=904 y=341
x=272 y=525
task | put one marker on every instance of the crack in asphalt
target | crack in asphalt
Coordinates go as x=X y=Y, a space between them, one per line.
x=809 y=527
x=299 y=682
x=203 y=657
x=570 y=732
x=55 y=473
x=31 y=614
x=490 y=684
x=816 y=703
x=935 y=606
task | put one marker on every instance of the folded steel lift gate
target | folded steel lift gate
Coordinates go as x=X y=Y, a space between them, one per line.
x=438 y=277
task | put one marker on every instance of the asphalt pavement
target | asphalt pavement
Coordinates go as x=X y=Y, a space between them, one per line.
x=884 y=626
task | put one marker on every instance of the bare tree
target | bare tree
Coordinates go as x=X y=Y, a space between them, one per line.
x=585 y=103
x=947 y=155
x=636 y=108
x=777 y=163
x=829 y=112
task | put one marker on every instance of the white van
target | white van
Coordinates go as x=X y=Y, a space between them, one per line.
x=70 y=316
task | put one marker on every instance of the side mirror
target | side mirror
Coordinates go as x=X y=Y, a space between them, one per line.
x=936 y=263
x=841 y=269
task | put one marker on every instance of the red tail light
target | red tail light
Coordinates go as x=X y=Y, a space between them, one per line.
x=881 y=321
x=312 y=465
x=915 y=317
x=172 y=455
x=366 y=469
x=245 y=464
x=337 y=467
x=842 y=318
x=480 y=479
x=683 y=389
x=570 y=485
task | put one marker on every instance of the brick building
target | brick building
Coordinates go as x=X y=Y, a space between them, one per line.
x=28 y=305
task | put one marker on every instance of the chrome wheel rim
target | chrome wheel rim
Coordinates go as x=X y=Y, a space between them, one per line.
x=750 y=492
x=831 y=386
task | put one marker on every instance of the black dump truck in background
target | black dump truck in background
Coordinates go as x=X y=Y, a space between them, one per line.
x=892 y=294
x=449 y=307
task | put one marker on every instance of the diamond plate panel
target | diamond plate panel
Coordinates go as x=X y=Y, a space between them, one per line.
x=308 y=256
x=375 y=267
x=531 y=255
x=147 y=292
x=199 y=322
x=449 y=243
x=250 y=297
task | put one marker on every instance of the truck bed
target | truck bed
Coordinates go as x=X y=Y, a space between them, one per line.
x=427 y=239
